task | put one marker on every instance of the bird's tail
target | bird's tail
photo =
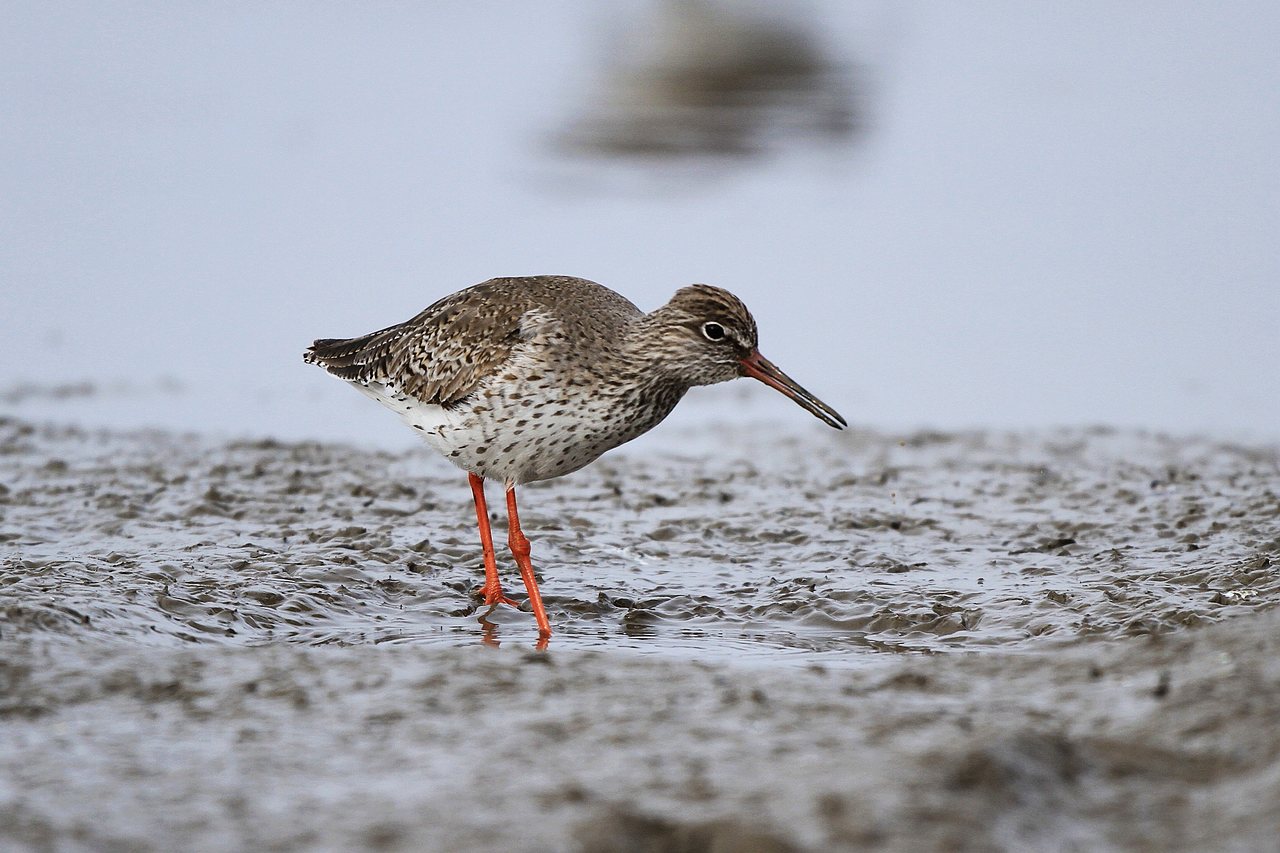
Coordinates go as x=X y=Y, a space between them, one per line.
x=355 y=359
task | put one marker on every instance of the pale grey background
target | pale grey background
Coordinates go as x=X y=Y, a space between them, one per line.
x=1062 y=213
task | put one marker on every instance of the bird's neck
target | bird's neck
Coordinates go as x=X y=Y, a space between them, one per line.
x=642 y=349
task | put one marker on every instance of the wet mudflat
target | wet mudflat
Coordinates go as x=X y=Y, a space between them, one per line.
x=765 y=640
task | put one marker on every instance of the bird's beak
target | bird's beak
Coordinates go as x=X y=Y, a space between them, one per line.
x=758 y=367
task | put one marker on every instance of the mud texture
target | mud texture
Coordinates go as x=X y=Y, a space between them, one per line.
x=765 y=641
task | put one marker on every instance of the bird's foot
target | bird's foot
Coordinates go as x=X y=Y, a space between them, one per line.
x=492 y=595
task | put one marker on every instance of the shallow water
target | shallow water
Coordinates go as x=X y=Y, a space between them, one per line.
x=800 y=547
x=766 y=639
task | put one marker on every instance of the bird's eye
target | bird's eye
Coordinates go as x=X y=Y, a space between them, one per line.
x=713 y=331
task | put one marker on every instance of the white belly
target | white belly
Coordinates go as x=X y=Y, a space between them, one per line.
x=508 y=440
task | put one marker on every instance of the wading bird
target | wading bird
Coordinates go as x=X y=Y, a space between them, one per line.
x=524 y=379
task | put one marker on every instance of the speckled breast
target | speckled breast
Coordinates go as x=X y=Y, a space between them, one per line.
x=540 y=426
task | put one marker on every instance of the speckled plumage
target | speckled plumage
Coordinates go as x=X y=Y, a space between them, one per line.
x=524 y=379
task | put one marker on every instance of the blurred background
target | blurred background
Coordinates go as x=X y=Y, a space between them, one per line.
x=1001 y=214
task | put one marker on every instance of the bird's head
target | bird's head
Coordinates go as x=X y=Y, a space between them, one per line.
x=705 y=335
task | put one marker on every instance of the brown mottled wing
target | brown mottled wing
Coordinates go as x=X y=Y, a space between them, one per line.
x=440 y=356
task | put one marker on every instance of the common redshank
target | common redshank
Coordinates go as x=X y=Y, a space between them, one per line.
x=525 y=379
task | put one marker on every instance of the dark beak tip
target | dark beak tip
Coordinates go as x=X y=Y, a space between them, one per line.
x=758 y=367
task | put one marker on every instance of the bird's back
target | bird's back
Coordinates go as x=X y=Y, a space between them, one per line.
x=443 y=354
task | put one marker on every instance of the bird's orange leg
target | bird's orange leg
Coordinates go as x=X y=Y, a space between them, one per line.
x=492 y=589
x=520 y=550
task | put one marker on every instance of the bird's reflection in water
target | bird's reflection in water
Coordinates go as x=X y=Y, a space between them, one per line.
x=488 y=630
x=489 y=633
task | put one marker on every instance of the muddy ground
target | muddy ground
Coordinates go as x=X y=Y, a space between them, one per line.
x=766 y=640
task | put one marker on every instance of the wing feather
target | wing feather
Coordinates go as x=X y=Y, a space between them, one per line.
x=442 y=355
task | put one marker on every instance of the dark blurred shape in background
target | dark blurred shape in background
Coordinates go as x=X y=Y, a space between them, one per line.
x=715 y=79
